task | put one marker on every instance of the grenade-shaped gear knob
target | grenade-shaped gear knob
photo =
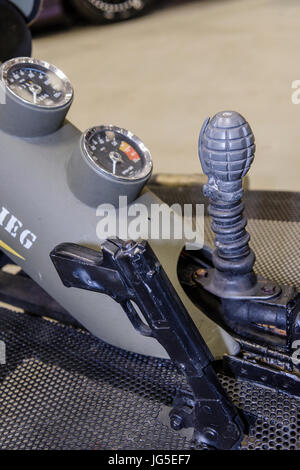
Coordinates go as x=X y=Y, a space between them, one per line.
x=226 y=151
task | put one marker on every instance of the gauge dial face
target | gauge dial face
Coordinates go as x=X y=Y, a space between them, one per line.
x=117 y=152
x=117 y=8
x=36 y=82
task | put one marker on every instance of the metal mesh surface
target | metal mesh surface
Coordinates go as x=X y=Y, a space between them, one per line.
x=62 y=388
x=277 y=424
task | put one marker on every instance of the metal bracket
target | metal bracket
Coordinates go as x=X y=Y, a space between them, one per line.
x=260 y=325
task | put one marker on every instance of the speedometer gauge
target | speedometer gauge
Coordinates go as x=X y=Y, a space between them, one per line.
x=117 y=152
x=37 y=82
x=109 y=162
x=38 y=96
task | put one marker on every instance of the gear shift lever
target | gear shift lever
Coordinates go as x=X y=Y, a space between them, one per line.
x=262 y=316
x=226 y=150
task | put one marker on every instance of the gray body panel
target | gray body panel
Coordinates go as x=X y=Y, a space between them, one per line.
x=34 y=188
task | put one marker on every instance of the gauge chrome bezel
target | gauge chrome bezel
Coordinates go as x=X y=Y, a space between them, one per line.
x=140 y=146
x=68 y=94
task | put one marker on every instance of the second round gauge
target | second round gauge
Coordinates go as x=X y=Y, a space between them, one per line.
x=117 y=152
x=109 y=163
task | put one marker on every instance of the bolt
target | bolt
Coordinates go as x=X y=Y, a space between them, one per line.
x=201 y=273
x=176 y=422
x=268 y=289
x=210 y=434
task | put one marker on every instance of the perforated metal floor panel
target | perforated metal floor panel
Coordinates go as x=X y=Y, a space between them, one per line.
x=62 y=388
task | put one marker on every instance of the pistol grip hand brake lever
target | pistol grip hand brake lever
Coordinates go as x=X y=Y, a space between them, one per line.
x=130 y=273
x=82 y=267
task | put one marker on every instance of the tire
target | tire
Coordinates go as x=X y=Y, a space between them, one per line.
x=107 y=11
x=16 y=37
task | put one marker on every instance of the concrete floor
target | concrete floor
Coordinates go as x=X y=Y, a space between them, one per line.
x=163 y=74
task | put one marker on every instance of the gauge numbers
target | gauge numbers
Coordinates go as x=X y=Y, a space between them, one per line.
x=117 y=152
x=37 y=82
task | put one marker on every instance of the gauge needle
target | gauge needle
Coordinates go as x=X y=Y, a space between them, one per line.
x=116 y=158
x=35 y=90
